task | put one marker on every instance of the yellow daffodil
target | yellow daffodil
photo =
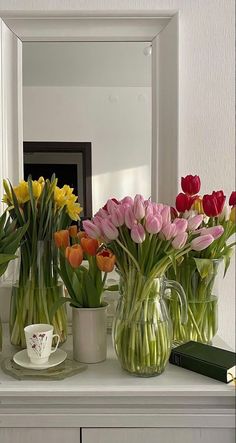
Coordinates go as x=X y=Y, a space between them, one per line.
x=59 y=197
x=73 y=210
x=22 y=192
x=37 y=188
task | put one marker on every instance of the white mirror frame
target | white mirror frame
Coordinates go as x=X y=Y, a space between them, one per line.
x=161 y=31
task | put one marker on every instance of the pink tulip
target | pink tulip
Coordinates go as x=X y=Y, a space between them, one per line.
x=148 y=208
x=215 y=231
x=168 y=231
x=130 y=219
x=91 y=229
x=181 y=225
x=157 y=208
x=194 y=222
x=202 y=242
x=118 y=216
x=110 y=231
x=111 y=205
x=128 y=201
x=153 y=224
x=139 y=209
x=180 y=240
x=101 y=213
x=138 y=233
x=165 y=213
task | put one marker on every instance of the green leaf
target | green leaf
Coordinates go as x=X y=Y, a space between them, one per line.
x=204 y=266
x=227 y=258
x=61 y=301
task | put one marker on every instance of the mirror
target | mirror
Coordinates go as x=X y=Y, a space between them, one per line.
x=91 y=94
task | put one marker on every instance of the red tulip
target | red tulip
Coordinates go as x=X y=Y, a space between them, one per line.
x=232 y=199
x=213 y=204
x=191 y=184
x=184 y=202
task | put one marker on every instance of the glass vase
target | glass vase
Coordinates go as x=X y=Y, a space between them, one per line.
x=199 y=278
x=34 y=292
x=0 y=335
x=142 y=328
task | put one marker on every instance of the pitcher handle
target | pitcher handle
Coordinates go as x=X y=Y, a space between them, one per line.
x=172 y=284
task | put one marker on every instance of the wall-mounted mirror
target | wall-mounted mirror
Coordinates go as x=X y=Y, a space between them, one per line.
x=94 y=97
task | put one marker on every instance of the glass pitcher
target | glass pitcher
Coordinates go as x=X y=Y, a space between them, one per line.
x=142 y=327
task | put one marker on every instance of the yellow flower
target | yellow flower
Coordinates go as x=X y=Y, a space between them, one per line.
x=59 y=197
x=22 y=192
x=73 y=210
x=37 y=188
x=232 y=216
x=68 y=191
x=197 y=206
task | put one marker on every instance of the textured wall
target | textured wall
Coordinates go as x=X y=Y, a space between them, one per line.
x=206 y=123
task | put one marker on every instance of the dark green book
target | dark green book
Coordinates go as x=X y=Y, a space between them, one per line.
x=206 y=360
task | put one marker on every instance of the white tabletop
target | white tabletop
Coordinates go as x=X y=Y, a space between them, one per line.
x=108 y=379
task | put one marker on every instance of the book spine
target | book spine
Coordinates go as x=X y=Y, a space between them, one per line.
x=199 y=366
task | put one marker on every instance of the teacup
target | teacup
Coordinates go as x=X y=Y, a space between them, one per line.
x=39 y=342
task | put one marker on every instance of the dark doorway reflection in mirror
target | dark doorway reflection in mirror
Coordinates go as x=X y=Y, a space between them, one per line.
x=70 y=161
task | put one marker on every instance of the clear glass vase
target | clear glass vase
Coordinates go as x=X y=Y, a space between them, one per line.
x=34 y=292
x=199 y=278
x=142 y=328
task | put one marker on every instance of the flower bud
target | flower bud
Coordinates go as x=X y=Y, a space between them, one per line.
x=191 y=184
x=215 y=231
x=91 y=229
x=194 y=222
x=139 y=209
x=201 y=242
x=128 y=201
x=110 y=231
x=153 y=224
x=89 y=245
x=130 y=219
x=138 y=233
x=168 y=231
x=118 y=216
x=181 y=225
x=74 y=255
x=61 y=238
x=165 y=214
x=232 y=199
x=105 y=260
x=180 y=240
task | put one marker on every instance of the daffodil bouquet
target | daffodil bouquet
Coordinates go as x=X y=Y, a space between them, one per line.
x=44 y=208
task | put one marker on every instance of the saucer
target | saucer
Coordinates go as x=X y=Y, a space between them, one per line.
x=22 y=359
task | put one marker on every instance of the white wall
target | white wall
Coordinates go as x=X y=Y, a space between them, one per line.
x=116 y=120
x=206 y=90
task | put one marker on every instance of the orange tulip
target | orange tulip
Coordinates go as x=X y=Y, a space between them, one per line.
x=105 y=260
x=89 y=245
x=74 y=255
x=61 y=238
x=81 y=234
x=73 y=231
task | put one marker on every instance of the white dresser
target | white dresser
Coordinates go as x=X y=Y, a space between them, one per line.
x=106 y=405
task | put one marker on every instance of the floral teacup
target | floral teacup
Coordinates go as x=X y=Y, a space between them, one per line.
x=39 y=342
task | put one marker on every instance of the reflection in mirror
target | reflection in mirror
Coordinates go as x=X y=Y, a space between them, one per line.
x=97 y=93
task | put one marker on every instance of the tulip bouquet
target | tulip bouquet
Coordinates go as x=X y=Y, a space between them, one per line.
x=197 y=271
x=146 y=243
x=85 y=282
x=44 y=208
x=10 y=238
